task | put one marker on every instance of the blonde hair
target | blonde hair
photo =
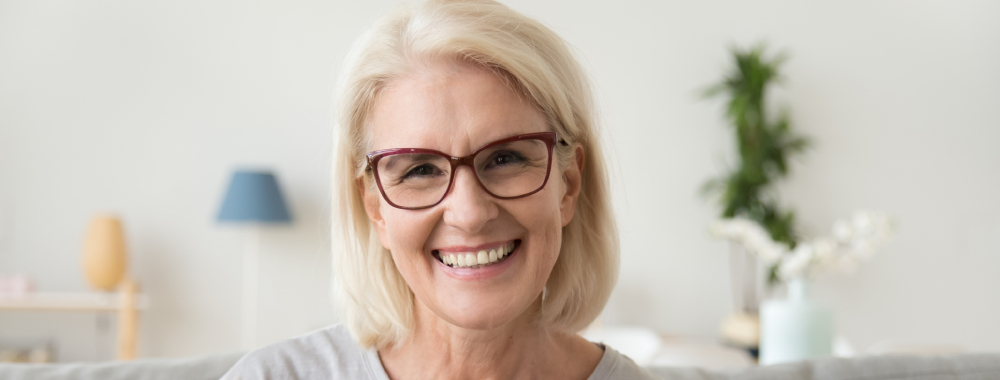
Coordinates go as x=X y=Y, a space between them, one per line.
x=376 y=302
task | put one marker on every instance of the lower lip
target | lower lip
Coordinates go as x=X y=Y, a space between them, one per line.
x=479 y=273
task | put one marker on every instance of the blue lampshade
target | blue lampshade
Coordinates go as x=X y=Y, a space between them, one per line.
x=254 y=196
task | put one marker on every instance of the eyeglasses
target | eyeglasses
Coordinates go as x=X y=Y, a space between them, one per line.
x=511 y=168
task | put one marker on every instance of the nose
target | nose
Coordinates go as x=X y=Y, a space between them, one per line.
x=468 y=207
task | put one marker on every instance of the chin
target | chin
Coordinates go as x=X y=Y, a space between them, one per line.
x=483 y=316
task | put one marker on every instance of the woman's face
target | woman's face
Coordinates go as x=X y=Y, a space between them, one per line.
x=456 y=108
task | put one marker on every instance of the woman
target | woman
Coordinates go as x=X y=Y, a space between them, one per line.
x=471 y=209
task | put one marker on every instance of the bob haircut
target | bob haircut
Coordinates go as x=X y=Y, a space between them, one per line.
x=375 y=301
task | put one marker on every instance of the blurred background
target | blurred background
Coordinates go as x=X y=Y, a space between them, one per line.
x=144 y=109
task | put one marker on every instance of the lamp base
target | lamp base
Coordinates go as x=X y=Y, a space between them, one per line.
x=250 y=271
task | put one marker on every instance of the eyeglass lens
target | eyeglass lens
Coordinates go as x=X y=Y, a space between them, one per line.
x=507 y=170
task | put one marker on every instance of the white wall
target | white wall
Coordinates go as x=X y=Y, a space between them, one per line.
x=143 y=108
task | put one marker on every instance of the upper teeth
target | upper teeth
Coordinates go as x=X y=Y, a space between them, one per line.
x=473 y=259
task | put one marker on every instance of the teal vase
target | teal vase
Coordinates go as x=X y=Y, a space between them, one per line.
x=795 y=328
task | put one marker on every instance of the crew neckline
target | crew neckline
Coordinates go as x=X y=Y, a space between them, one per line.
x=603 y=370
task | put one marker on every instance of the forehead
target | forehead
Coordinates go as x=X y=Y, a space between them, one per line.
x=452 y=107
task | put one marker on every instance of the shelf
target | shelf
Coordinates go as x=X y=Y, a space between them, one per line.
x=126 y=303
x=69 y=302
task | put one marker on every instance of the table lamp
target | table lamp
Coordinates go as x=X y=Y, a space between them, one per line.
x=253 y=198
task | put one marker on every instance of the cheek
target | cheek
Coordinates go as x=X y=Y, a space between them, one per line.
x=407 y=234
x=543 y=216
x=543 y=220
x=406 y=231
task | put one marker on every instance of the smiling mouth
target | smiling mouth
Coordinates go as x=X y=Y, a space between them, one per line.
x=478 y=259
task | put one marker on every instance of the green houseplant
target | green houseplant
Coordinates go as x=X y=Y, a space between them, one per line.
x=765 y=144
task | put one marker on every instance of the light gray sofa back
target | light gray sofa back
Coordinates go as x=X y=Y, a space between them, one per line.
x=960 y=367
x=198 y=368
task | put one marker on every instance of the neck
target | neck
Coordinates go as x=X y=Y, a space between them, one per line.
x=521 y=349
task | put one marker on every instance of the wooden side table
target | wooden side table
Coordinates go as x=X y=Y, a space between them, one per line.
x=127 y=302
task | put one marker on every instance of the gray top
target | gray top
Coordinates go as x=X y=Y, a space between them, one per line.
x=331 y=353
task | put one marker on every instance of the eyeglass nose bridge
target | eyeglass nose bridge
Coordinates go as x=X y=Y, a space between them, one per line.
x=462 y=161
x=470 y=161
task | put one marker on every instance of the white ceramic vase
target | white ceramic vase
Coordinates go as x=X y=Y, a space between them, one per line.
x=795 y=328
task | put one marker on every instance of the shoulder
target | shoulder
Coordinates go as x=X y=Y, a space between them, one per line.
x=328 y=353
x=616 y=366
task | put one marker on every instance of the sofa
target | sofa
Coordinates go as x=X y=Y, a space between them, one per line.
x=957 y=367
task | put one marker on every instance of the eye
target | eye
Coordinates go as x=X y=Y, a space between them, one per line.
x=424 y=170
x=506 y=158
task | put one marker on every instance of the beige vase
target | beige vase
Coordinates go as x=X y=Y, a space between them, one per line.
x=104 y=257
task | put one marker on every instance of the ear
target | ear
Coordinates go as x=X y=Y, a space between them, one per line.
x=572 y=182
x=371 y=200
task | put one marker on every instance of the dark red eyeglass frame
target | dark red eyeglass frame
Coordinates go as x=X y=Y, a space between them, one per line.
x=549 y=138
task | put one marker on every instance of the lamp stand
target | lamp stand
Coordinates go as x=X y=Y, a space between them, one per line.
x=250 y=271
